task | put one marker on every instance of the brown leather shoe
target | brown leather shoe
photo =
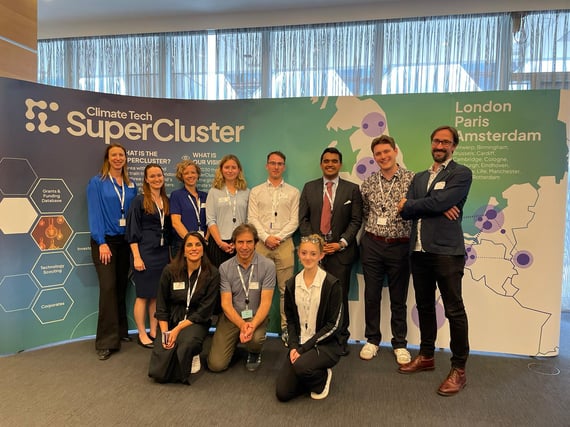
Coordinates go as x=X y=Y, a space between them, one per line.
x=454 y=382
x=418 y=363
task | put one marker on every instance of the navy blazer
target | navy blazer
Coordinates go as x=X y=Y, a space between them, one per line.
x=346 y=216
x=439 y=235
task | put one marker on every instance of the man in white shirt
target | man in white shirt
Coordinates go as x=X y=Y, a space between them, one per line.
x=274 y=210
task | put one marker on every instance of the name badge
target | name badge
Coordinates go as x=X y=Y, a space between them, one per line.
x=178 y=286
x=247 y=314
x=439 y=185
x=253 y=285
x=225 y=200
x=122 y=222
x=382 y=221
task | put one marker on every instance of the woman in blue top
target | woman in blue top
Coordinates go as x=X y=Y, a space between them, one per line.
x=187 y=205
x=148 y=233
x=109 y=195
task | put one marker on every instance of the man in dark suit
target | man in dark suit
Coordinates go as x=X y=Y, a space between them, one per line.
x=332 y=207
x=435 y=203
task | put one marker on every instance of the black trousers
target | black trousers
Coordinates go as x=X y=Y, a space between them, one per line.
x=381 y=259
x=113 y=281
x=307 y=374
x=444 y=271
x=342 y=272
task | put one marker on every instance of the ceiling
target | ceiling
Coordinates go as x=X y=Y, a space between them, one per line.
x=76 y=18
x=61 y=10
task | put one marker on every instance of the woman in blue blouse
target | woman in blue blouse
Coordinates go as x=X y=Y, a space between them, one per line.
x=187 y=205
x=109 y=195
x=226 y=208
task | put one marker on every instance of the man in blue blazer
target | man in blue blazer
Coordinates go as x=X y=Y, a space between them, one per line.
x=435 y=203
x=339 y=222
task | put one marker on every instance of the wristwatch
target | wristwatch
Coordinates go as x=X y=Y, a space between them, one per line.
x=342 y=245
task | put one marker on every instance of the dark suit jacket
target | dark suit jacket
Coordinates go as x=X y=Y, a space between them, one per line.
x=346 y=216
x=439 y=235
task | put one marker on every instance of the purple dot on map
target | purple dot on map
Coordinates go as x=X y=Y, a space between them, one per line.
x=471 y=255
x=523 y=259
x=439 y=314
x=373 y=124
x=488 y=219
x=366 y=167
x=503 y=231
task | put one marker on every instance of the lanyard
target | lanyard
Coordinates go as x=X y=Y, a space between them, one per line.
x=233 y=202
x=275 y=204
x=120 y=196
x=197 y=207
x=161 y=216
x=191 y=291
x=246 y=290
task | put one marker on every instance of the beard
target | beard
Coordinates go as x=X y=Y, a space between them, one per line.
x=439 y=156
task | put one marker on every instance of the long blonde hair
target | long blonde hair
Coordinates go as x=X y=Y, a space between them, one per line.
x=106 y=167
x=218 y=181
x=148 y=203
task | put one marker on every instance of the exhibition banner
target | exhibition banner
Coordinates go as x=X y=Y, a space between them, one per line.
x=52 y=141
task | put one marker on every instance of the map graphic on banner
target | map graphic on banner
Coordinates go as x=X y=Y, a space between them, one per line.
x=52 y=141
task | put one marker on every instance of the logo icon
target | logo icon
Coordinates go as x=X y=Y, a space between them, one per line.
x=42 y=116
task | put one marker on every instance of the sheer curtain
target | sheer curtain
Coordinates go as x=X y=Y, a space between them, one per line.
x=450 y=54
x=433 y=54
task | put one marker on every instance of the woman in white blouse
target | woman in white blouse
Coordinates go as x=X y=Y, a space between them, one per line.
x=313 y=305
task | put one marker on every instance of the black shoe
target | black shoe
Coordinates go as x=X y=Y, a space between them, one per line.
x=345 y=350
x=149 y=345
x=104 y=354
x=253 y=362
x=126 y=339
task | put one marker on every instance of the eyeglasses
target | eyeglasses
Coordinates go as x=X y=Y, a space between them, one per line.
x=444 y=142
x=279 y=164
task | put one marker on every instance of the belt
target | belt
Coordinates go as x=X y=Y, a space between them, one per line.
x=387 y=239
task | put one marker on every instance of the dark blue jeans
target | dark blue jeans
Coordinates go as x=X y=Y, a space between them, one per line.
x=444 y=271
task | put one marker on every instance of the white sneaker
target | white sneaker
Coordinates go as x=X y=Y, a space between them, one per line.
x=196 y=365
x=368 y=351
x=402 y=356
x=323 y=394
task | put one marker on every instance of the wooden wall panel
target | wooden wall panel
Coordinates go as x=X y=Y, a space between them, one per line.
x=18 y=39
x=17 y=63
x=18 y=27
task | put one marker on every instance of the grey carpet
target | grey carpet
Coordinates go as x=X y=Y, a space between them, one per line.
x=67 y=386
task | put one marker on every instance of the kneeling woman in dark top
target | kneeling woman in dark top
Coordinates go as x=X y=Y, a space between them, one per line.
x=187 y=293
x=313 y=305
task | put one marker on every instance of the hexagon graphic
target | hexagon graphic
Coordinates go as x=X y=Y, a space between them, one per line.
x=16 y=215
x=51 y=195
x=79 y=248
x=52 y=269
x=17 y=292
x=16 y=176
x=52 y=305
x=51 y=232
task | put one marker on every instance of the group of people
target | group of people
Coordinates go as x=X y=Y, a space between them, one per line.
x=231 y=246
